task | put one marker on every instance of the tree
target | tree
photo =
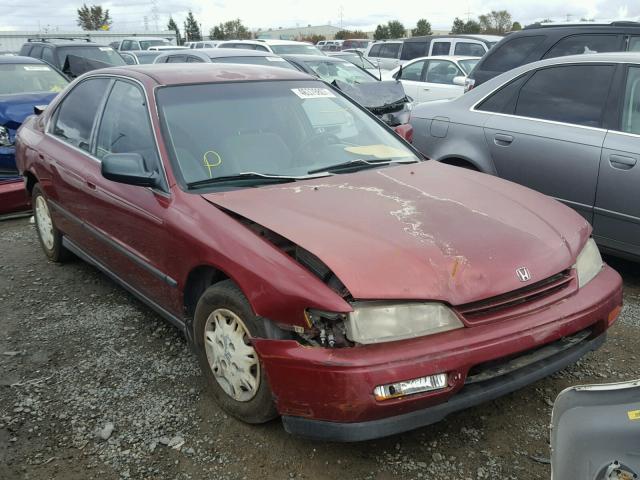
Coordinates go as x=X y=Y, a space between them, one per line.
x=231 y=30
x=312 y=38
x=516 y=26
x=191 y=28
x=93 y=18
x=381 y=33
x=460 y=26
x=347 y=34
x=173 y=26
x=423 y=27
x=496 y=22
x=396 y=29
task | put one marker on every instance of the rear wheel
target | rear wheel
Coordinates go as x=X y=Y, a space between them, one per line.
x=50 y=237
x=223 y=327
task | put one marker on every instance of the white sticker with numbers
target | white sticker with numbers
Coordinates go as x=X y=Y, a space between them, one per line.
x=313 y=92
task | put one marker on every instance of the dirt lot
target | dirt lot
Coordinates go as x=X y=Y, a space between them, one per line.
x=79 y=355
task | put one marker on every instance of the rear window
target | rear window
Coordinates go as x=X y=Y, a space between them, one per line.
x=511 y=54
x=411 y=50
x=581 y=44
x=390 y=50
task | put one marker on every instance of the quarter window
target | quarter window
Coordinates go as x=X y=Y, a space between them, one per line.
x=634 y=44
x=631 y=108
x=125 y=126
x=375 y=50
x=580 y=44
x=411 y=50
x=469 y=49
x=76 y=115
x=47 y=56
x=561 y=94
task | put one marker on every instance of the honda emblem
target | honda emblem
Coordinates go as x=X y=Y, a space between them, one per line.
x=523 y=274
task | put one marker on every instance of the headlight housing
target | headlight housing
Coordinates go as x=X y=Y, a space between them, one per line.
x=589 y=263
x=5 y=140
x=376 y=322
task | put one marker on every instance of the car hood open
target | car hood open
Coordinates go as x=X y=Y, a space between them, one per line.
x=379 y=97
x=419 y=231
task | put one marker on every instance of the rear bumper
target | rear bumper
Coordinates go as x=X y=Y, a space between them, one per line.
x=469 y=396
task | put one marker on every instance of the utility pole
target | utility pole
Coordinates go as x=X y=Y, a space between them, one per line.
x=154 y=13
x=341 y=15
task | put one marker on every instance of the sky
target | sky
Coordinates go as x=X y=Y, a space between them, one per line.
x=129 y=15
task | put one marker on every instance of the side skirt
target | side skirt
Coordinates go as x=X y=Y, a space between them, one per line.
x=171 y=318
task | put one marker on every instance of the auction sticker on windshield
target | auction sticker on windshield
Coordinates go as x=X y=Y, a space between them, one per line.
x=313 y=92
x=36 y=68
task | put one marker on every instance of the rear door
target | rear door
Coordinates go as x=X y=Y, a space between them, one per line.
x=551 y=137
x=390 y=55
x=617 y=209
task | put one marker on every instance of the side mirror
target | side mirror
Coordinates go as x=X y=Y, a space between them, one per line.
x=459 y=80
x=128 y=168
x=38 y=109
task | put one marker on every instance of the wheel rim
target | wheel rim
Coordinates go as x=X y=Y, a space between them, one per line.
x=44 y=222
x=232 y=360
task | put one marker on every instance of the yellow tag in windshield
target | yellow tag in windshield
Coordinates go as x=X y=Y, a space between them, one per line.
x=379 y=151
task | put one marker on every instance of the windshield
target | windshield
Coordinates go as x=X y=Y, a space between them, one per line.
x=145 y=44
x=357 y=60
x=343 y=71
x=270 y=61
x=27 y=78
x=285 y=128
x=102 y=54
x=467 y=65
x=147 y=57
x=299 y=49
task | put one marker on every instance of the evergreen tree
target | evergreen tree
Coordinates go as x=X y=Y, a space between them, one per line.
x=173 y=26
x=396 y=29
x=423 y=27
x=191 y=28
x=93 y=18
x=381 y=33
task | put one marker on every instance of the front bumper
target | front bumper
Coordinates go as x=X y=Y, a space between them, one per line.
x=328 y=393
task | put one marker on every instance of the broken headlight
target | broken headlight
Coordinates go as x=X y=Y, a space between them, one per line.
x=5 y=140
x=326 y=329
x=589 y=263
x=376 y=322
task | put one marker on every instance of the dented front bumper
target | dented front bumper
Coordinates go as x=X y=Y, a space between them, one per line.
x=328 y=393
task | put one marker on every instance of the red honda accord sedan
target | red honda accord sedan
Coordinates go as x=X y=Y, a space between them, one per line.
x=322 y=270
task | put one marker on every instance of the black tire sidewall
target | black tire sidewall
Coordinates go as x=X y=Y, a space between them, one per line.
x=227 y=295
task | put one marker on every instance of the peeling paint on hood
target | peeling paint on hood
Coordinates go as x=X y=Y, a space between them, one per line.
x=420 y=231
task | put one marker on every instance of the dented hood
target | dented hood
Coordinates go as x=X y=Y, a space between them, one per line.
x=419 y=231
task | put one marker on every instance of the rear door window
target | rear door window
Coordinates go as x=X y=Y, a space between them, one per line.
x=390 y=50
x=76 y=114
x=375 y=50
x=581 y=44
x=631 y=107
x=36 y=52
x=511 y=54
x=411 y=50
x=469 y=49
x=561 y=94
x=634 y=44
x=441 y=48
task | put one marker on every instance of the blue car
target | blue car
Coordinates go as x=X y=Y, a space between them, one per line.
x=25 y=82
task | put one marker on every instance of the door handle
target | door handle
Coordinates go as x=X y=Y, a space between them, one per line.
x=502 y=140
x=426 y=89
x=622 y=162
x=91 y=185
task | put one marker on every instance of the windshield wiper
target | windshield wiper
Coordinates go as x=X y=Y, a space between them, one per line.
x=259 y=177
x=359 y=164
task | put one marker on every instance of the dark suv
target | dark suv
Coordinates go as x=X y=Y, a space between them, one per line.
x=72 y=56
x=537 y=42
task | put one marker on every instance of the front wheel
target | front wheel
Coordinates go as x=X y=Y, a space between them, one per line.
x=50 y=237
x=223 y=327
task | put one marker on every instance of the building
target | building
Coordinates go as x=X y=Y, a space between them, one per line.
x=11 y=41
x=327 y=31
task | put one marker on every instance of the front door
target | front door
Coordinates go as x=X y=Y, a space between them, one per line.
x=617 y=209
x=438 y=81
x=552 y=139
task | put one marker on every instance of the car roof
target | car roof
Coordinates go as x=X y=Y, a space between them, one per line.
x=65 y=42
x=582 y=25
x=233 y=52
x=313 y=58
x=144 y=38
x=18 y=59
x=190 y=73
x=613 y=57
x=455 y=58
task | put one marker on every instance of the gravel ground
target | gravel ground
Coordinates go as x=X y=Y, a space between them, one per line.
x=94 y=385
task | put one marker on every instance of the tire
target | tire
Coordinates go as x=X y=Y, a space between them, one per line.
x=50 y=237
x=223 y=326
